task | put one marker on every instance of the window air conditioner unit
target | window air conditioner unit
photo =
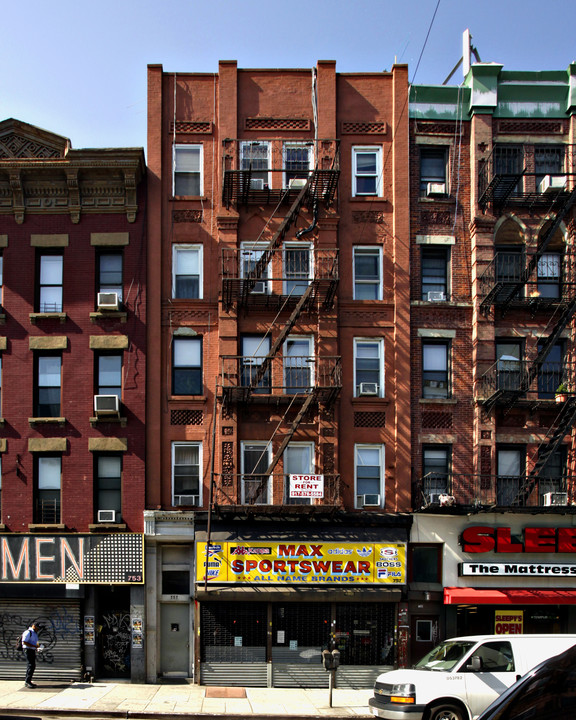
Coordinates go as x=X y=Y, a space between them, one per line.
x=106 y=516
x=108 y=301
x=435 y=188
x=297 y=183
x=436 y=295
x=370 y=500
x=186 y=499
x=256 y=183
x=259 y=288
x=368 y=388
x=551 y=183
x=434 y=498
x=106 y=405
x=555 y=498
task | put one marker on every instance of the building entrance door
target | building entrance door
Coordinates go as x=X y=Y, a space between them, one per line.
x=175 y=639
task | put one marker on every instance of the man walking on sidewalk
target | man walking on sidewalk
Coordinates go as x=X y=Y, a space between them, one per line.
x=31 y=647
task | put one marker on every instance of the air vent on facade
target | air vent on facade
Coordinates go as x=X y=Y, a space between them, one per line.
x=368 y=388
x=108 y=301
x=106 y=516
x=106 y=405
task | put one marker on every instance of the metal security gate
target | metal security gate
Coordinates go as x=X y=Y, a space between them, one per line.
x=60 y=633
x=233 y=644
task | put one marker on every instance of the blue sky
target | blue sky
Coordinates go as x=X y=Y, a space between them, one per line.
x=79 y=69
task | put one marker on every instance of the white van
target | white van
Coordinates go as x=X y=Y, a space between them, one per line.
x=461 y=676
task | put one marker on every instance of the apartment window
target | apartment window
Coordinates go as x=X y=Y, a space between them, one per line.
x=1 y=386
x=255 y=160
x=250 y=254
x=367 y=273
x=50 y=286
x=298 y=460
x=186 y=463
x=188 y=170
x=255 y=482
x=369 y=475
x=1 y=280
x=254 y=349
x=552 y=479
x=298 y=365
x=187 y=271
x=109 y=485
x=435 y=263
x=509 y=364
x=109 y=375
x=436 y=461
x=298 y=160
x=369 y=367
x=552 y=371
x=366 y=171
x=433 y=161
x=297 y=269
x=425 y=563
x=187 y=366
x=48 y=487
x=510 y=468
x=48 y=386
x=548 y=160
x=110 y=273
x=435 y=369
x=549 y=275
x=509 y=160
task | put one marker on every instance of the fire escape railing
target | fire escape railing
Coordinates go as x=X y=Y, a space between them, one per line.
x=259 y=489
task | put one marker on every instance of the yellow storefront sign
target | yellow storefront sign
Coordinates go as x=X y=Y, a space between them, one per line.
x=508 y=622
x=296 y=562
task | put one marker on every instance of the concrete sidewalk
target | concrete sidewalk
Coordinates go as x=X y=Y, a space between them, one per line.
x=102 y=700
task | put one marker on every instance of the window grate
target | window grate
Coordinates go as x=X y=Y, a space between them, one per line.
x=186 y=417
x=277 y=124
x=437 y=420
x=370 y=419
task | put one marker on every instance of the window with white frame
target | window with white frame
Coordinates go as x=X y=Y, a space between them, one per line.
x=108 y=485
x=110 y=273
x=369 y=475
x=255 y=348
x=48 y=489
x=187 y=366
x=297 y=268
x=250 y=253
x=256 y=485
x=549 y=275
x=435 y=263
x=298 y=460
x=109 y=374
x=255 y=161
x=48 y=390
x=187 y=272
x=50 y=283
x=367 y=273
x=369 y=367
x=298 y=161
x=366 y=170
x=298 y=364
x=433 y=164
x=186 y=464
x=435 y=369
x=188 y=170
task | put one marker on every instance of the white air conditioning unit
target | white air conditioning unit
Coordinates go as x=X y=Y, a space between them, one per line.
x=108 y=301
x=435 y=188
x=555 y=498
x=368 y=388
x=370 y=500
x=297 y=183
x=436 y=296
x=106 y=404
x=552 y=183
x=256 y=183
x=186 y=499
x=106 y=516
x=260 y=287
x=434 y=498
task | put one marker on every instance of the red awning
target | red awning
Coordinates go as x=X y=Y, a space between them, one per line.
x=516 y=596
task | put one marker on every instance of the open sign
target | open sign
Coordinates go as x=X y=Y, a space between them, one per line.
x=306 y=486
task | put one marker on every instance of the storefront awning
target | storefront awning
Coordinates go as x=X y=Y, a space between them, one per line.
x=511 y=596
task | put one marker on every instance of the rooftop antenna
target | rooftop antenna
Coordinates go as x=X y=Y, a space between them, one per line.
x=467 y=50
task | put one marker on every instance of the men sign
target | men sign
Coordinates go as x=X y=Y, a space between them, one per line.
x=306 y=486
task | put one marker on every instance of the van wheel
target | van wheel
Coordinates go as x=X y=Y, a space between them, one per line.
x=446 y=712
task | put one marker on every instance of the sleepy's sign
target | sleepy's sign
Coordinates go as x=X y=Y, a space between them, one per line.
x=486 y=539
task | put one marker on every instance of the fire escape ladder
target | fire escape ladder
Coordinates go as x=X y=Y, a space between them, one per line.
x=292 y=429
x=541 y=249
x=552 y=441
x=265 y=364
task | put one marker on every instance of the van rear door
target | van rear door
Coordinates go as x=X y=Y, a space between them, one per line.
x=496 y=672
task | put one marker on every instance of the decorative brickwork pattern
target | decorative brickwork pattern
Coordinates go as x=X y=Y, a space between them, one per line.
x=277 y=124
x=436 y=217
x=532 y=127
x=14 y=146
x=227 y=464
x=486 y=434
x=433 y=420
x=329 y=464
x=434 y=128
x=186 y=417
x=227 y=430
x=191 y=128
x=363 y=128
x=187 y=216
x=370 y=419
x=369 y=216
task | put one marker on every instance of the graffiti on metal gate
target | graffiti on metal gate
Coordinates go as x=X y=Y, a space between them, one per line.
x=61 y=626
x=115 y=639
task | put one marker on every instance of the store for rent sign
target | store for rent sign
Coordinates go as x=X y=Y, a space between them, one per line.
x=302 y=563
x=306 y=486
x=508 y=622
